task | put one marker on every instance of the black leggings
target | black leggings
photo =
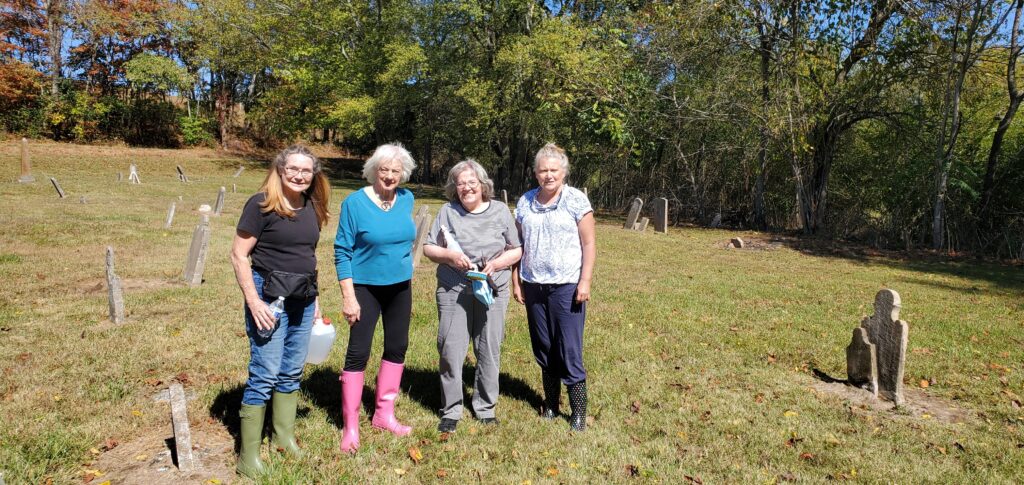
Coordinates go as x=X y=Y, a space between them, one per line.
x=395 y=303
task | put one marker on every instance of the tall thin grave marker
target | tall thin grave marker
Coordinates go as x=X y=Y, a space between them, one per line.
x=170 y=215
x=661 y=215
x=133 y=174
x=56 y=185
x=219 y=206
x=196 y=262
x=26 y=164
x=115 y=295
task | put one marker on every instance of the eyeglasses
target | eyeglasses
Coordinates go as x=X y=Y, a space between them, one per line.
x=304 y=172
x=472 y=184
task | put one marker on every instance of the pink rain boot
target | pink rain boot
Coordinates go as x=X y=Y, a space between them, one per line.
x=351 y=398
x=388 y=380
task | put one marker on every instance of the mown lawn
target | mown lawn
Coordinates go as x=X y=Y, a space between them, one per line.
x=700 y=358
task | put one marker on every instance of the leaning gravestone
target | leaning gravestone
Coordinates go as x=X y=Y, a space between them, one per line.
x=196 y=262
x=888 y=334
x=661 y=215
x=26 y=164
x=187 y=461
x=56 y=185
x=641 y=225
x=737 y=242
x=422 y=226
x=133 y=174
x=170 y=215
x=115 y=295
x=634 y=214
x=219 y=206
x=239 y=171
x=181 y=174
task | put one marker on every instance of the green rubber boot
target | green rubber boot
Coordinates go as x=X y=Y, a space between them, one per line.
x=249 y=463
x=284 y=405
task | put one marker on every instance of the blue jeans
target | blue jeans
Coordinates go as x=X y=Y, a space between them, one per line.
x=275 y=363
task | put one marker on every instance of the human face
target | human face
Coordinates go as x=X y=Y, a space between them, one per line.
x=470 y=191
x=389 y=175
x=297 y=174
x=550 y=175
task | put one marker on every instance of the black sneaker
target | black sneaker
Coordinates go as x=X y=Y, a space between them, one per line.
x=447 y=425
x=489 y=421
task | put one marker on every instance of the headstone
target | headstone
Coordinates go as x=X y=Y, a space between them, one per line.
x=634 y=213
x=661 y=215
x=219 y=206
x=717 y=221
x=133 y=174
x=641 y=225
x=239 y=171
x=205 y=209
x=422 y=220
x=120 y=176
x=56 y=185
x=736 y=243
x=862 y=362
x=170 y=215
x=196 y=262
x=889 y=335
x=504 y=196
x=26 y=164
x=585 y=192
x=234 y=188
x=115 y=296
x=82 y=199
x=187 y=461
x=181 y=174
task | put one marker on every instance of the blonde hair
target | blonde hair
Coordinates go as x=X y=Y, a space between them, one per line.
x=319 y=190
x=554 y=152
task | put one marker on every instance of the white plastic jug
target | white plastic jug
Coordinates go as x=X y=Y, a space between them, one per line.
x=320 y=341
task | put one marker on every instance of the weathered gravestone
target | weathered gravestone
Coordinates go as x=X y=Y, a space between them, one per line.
x=115 y=295
x=234 y=188
x=634 y=214
x=888 y=334
x=26 y=164
x=239 y=171
x=170 y=215
x=133 y=174
x=181 y=174
x=736 y=242
x=196 y=262
x=504 y=196
x=219 y=206
x=120 y=176
x=422 y=220
x=641 y=225
x=187 y=461
x=56 y=185
x=717 y=220
x=661 y=215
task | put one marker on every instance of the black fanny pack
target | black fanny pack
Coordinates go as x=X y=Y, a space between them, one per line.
x=289 y=285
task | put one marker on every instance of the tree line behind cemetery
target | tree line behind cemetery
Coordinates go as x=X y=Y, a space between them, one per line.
x=888 y=122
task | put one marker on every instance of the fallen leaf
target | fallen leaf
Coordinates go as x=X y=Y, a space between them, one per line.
x=183 y=378
x=759 y=398
x=400 y=471
x=109 y=444
x=213 y=481
x=635 y=407
x=924 y=383
x=57 y=398
x=771 y=358
x=441 y=473
x=552 y=471
x=415 y=454
x=632 y=471
x=136 y=412
x=926 y=416
x=693 y=479
x=106 y=482
x=832 y=440
x=94 y=451
x=153 y=382
x=790 y=414
x=681 y=435
x=806 y=456
x=141 y=457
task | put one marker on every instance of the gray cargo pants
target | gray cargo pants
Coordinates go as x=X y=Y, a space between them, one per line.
x=461 y=318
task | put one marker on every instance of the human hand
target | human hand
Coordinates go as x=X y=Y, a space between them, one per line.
x=490 y=268
x=261 y=314
x=517 y=292
x=582 y=291
x=459 y=260
x=351 y=310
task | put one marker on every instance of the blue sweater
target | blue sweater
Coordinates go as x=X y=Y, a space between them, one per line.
x=373 y=246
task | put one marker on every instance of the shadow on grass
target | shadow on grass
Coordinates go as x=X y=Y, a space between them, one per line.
x=228 y=402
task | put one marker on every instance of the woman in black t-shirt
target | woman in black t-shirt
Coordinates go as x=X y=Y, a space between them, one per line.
x=278 y=230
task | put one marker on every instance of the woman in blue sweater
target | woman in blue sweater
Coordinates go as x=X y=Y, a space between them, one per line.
x=373 y=256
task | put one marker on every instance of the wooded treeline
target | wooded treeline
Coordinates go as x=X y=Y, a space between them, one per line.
x=890 y=122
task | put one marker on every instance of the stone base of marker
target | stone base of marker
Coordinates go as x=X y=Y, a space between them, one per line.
x=26 y=179
x=876 y=355
x=641 y=225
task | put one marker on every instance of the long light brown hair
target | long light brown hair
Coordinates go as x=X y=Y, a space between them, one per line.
x=319 y=190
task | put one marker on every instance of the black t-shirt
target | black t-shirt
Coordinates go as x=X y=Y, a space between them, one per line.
x=282 y=244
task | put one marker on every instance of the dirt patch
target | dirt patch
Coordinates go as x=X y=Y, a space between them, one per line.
x=918 y=404
x=752 y=243
x=148 y=459
x=93 y=286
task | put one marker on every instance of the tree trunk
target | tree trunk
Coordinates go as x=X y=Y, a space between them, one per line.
x=759 y=219
x=55 y=41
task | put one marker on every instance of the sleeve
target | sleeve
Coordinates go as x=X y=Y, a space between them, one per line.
x=578 y=204
x=434 y=234
x=520 y=207
x=510 y=231
x=344 y=241
x=252 y=220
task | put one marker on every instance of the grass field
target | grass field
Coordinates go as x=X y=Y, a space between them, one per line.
x=700 y=358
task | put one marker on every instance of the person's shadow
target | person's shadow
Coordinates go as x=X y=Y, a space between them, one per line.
x=420 y=385
x=228 y=402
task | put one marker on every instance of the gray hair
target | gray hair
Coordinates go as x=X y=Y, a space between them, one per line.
x=282 y=157
x=387 y=153
x=486 y=184
x=551 y=151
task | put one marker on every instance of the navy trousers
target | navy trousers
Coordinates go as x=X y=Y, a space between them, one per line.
x=556 y=329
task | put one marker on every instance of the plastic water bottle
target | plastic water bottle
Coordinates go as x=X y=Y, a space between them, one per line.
x=321 y=338
x=276 y=309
